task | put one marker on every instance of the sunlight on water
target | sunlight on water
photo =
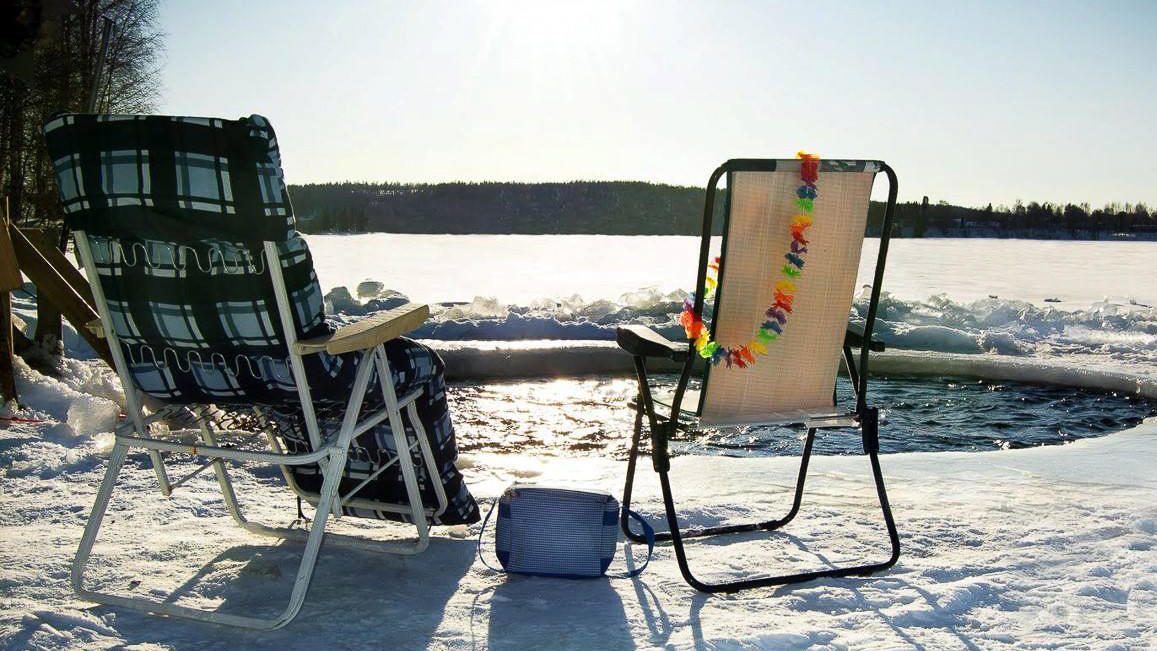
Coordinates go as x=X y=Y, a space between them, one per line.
x=569 y=417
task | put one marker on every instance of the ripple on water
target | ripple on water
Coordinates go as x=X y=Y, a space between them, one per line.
x=588 y=416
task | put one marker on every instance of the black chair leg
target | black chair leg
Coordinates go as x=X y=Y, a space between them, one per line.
x=676 y=535
x=766 y=525
x=765 y=581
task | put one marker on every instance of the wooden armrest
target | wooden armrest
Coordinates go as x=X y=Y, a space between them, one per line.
x=368 y=332
x=645 y=342
x=855 y=340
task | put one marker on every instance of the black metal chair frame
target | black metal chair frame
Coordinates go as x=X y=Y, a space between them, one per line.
x=643 y=343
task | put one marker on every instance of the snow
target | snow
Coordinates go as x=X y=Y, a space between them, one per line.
x=521 y=269
x=1040 y=299
x=1046 y=547
x=1049 y=300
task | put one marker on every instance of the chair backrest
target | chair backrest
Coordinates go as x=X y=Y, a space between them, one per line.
x=799 y=370
x=175 y=211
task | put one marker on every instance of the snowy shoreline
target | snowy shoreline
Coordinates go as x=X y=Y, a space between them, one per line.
x=1049 y=546
x=477 y=360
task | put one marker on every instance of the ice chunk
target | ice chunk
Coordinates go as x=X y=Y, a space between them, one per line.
x=339 y=301
x=370 y=288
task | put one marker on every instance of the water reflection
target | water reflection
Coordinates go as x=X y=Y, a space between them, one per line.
x=589 y=416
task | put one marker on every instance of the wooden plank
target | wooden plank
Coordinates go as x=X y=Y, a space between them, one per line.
x=370 y=331
x=52 y=285
x=9 y=271
x=71 y=275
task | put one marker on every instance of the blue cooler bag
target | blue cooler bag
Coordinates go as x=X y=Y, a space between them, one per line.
x=558 y=532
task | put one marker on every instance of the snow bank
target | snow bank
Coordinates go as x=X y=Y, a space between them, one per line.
x=1026 y=548
x=1044 y=547
x=1123 y=333
x=475 y=360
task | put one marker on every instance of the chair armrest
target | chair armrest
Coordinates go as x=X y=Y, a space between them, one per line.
x=645 y=342
x=368 y=332
x=855 y=340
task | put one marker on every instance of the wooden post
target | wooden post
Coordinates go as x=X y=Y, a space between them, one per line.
x=9 y=280
x=62 y=285
x=47 y=335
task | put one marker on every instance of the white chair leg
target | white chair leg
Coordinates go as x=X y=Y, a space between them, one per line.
x=291 y=533
x=329 y=489
x=352 y=412
x=402 y=444
x=225 y=483
x=116 y=461
x=428 y=456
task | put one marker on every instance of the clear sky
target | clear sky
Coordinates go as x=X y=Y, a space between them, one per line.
x=970 y=102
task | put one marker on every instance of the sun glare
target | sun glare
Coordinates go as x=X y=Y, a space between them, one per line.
x=550 y=40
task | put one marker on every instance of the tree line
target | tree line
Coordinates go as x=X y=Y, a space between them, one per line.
x=1031 y=220
x=618 y=207
x=639 y=208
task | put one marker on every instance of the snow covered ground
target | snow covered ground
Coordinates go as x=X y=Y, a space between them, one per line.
x=1041 y=548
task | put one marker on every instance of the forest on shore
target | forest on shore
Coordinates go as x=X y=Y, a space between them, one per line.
x=640 y=208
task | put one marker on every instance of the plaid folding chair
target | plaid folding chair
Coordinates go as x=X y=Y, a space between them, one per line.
x=792 y=235
x=209 y=301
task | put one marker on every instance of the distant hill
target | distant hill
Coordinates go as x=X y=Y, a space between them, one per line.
x=638 y=208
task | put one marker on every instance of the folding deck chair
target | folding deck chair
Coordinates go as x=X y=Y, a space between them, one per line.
x=210 y=304
x=766 y=242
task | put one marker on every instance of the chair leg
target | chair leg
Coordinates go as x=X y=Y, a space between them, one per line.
x=336 y=461
x=225 y=483
x=233 y=505
x=676 y=536
x=373 y=361
x=766 y=525
x=428 y=458
x=765 y=581
x=335 y=539
x=116 y=461
x=405 y=458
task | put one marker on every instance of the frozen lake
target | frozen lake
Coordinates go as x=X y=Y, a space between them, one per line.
x=523 y=268
x=1085 y=302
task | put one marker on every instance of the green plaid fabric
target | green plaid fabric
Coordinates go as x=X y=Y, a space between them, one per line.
x=176 y=210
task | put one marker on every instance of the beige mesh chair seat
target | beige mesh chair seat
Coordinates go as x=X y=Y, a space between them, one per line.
x=794 y=382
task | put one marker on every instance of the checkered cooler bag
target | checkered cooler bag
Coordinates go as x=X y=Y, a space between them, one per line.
x=558 y=532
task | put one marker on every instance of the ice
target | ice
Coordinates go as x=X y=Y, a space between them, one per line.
x=370 y=288
x=520 y=269
x=1047 y=547
x=1120 y=333
x=1044 y=547
x=339 y=300
x=92 y=414
x=482 y=307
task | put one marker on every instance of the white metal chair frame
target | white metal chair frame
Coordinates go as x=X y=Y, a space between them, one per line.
x=329 y=455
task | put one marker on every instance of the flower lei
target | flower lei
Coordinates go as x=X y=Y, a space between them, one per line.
x=744 y=356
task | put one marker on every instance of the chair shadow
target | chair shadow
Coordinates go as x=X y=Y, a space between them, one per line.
x=535 y=612
x=658 y=623
x=849 y=583
x=356 y=591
